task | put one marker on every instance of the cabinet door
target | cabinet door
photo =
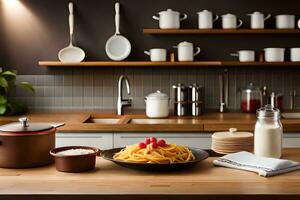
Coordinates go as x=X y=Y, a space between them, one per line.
x=99 y=140
x=291 y=140
x=200 y=140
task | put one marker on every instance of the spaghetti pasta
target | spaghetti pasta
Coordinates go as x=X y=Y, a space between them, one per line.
x=169 y=153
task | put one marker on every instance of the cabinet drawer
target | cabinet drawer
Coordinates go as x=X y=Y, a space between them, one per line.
x=291 y=140
x=99 y=140
x=200 y=140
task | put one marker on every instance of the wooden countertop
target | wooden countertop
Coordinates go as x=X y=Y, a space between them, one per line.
x=78 y=122
x=110 y=179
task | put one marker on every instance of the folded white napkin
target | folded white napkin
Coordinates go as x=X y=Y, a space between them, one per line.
x=262 y=165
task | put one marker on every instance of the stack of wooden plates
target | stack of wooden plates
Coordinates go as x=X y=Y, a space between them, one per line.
x=232 y=141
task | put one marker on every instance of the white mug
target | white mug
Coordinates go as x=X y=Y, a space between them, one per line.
x=258 y=20
x=295 y=54
x=229 y=21
x=157 y=55
x=274 y=54
x=245 y=55
x=206 y=19
x=285 y=21
x=186 y=51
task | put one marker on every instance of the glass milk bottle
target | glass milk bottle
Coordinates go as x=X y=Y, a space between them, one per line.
x=268 y=132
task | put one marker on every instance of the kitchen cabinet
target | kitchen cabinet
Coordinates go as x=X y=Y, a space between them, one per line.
x=99 y=140
x=200 y=140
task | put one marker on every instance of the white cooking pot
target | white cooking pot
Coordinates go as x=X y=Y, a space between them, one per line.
x=285 y=21
x=230 y=21
x=157 y=105
x=274 y=54
x=245 y=55
x=206 y=19
x=295 y=54
x=169 y=19
x=186 y=51
x=157 y=55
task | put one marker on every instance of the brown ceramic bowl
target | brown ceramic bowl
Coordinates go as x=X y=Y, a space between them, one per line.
x=75 y=163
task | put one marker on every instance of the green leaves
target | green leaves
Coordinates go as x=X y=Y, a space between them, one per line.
x=27 y=86
x=8 y=83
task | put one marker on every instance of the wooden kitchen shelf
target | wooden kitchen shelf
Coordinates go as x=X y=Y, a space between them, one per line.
x=168 y=64
x=220 y=31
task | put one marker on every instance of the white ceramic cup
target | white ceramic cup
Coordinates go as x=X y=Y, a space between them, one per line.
x=274 y=54
x=295 y=54
x=245 y=55
x=157 y=55
x=258 y=20
x=285 y=21
x=230 y=21
x=206 y=19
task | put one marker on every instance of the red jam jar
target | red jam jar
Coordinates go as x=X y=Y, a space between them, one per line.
x=251 y=99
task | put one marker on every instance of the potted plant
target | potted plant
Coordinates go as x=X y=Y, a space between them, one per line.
x=7 y=85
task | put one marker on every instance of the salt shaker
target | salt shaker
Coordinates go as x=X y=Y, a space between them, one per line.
x=268 y=132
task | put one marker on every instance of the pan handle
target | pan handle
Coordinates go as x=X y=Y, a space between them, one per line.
x=58 y=125
x=117 y=18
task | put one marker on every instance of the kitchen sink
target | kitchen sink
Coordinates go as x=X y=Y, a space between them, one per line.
x=162 y=121
x=291 y=115
x=103 y=120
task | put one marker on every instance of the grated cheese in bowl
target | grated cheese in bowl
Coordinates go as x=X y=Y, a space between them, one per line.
x=75 y=152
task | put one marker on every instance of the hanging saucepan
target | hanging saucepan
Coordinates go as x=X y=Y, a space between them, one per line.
x=24 y=145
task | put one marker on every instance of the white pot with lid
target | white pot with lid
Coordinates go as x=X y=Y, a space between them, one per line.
x=169 y=19
x=186 y=51
x=230 y=21
x=258 y=20
x=157 y=105
x=206 y=19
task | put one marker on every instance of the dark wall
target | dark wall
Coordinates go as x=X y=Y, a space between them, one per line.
x=42 y=29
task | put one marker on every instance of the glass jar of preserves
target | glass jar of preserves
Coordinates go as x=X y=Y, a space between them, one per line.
x=251 y=98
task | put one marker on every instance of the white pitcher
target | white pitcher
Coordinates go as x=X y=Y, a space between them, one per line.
x=258 y=20
x=186 y=51
x=229 y=21
x=206 y=19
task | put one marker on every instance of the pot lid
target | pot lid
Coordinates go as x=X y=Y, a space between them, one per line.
x=233 y=135
x=157 y=95
x=228 y=15
x=185 y=43
x=23 y=126
x=204 y=11
x=168 y=11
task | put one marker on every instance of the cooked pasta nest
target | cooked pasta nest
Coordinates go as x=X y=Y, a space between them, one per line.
x=170 y=153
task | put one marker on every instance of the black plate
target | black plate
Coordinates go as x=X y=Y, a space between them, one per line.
x=199 y=154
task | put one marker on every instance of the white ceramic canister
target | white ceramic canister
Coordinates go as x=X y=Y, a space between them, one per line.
x=157 y=55
x=285 y=21
x=268 y=133
x=206 y=19
x=295 y=54
x=274 y=54
x=186 y=51
x=245 y=55
x=229 y=21
x=157 y=105
x=258 y=20
x=169 y=19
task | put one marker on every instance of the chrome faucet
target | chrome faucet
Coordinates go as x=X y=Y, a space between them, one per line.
x=224 y=90
x=121 y=103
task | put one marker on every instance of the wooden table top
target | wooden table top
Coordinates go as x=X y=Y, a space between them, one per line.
x=209 y=122
x=111 y=179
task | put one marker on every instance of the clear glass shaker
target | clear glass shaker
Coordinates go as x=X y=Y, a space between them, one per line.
x=268 y=132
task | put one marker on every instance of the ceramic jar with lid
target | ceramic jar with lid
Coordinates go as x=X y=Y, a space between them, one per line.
x=169 y=19
x=268 y=133
x=206 y=19
x=258 y=20
x=251 y=98
x=230 y=21
x=157 y=105
x=186 y=51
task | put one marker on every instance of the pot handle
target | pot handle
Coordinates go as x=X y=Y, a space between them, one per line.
x=216 y=18
x=147 y=53
x=267 y=17
x=198 y=51
x=184 y=17
x=58 y=125
x=240 y=23
x=155 y=17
